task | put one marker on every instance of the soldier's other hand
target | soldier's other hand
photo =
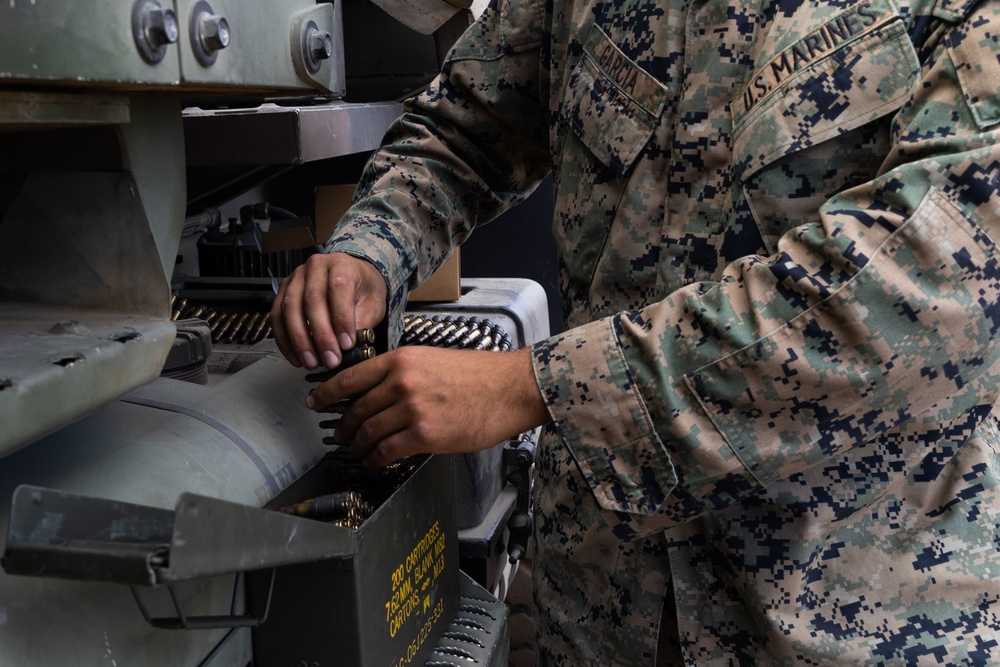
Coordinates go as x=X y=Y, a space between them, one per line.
x=322 y=304
x=418 y=399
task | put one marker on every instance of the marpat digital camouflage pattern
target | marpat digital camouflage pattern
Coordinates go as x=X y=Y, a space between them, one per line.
x=776 y=223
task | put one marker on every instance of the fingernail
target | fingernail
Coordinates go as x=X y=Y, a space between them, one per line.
x=309 y=359
x=330 y=359
x=310 y=402
x=345 y=341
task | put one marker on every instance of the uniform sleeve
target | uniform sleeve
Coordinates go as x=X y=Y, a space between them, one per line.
x=883 y=312
x=469 y=147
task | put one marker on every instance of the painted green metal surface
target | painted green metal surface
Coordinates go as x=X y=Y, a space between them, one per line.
x=79 y=43
x=85 y=259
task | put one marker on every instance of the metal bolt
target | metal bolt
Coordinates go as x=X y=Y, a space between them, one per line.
x=213 y=32
x=317 y=46
x=320 y=45
x=153 y=28
x=161 y=27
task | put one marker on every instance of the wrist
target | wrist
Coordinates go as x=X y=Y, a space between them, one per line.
x=528 y=409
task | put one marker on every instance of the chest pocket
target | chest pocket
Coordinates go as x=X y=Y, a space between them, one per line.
x=611 y=104
x=806 y=126
x=975 y=49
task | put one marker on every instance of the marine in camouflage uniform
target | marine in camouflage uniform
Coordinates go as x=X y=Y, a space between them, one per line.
x=773 y=414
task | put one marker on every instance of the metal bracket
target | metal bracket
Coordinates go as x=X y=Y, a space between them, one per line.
x=517 y=461
x=184 y=622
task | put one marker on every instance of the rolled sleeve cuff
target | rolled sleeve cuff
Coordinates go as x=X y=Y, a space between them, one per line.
x=598 y=412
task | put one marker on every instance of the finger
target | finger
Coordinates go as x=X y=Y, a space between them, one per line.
x=278 y=328
x=371 y=432
x=314 y=298
x=387 y=451
x=364 y=407
x=343 y=300
x=353 y=381
x=288 y=323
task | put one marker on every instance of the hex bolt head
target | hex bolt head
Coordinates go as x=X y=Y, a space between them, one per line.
x=161 y=27
x=320 y=45
x=213 y=32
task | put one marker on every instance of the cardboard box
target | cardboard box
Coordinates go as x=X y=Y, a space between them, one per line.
x=332 y=201
x=444 y=285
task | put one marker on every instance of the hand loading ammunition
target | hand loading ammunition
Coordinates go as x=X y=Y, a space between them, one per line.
x=351 y=357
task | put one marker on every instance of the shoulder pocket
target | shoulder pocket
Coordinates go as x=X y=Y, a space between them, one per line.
x=974 y=48
x=849 y=72
x=612 y=104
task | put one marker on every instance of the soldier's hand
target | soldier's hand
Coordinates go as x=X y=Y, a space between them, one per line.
x=322 y=304
x=432 y=400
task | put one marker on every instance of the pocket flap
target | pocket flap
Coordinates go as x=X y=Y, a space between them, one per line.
x=975 y=49
x=611 y=103
x=852 y=70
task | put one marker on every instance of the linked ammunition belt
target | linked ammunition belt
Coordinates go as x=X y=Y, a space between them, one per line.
x=245 y=328
x=459 y=332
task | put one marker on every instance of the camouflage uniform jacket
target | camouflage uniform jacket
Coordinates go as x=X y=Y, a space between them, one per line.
x=776 y=225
